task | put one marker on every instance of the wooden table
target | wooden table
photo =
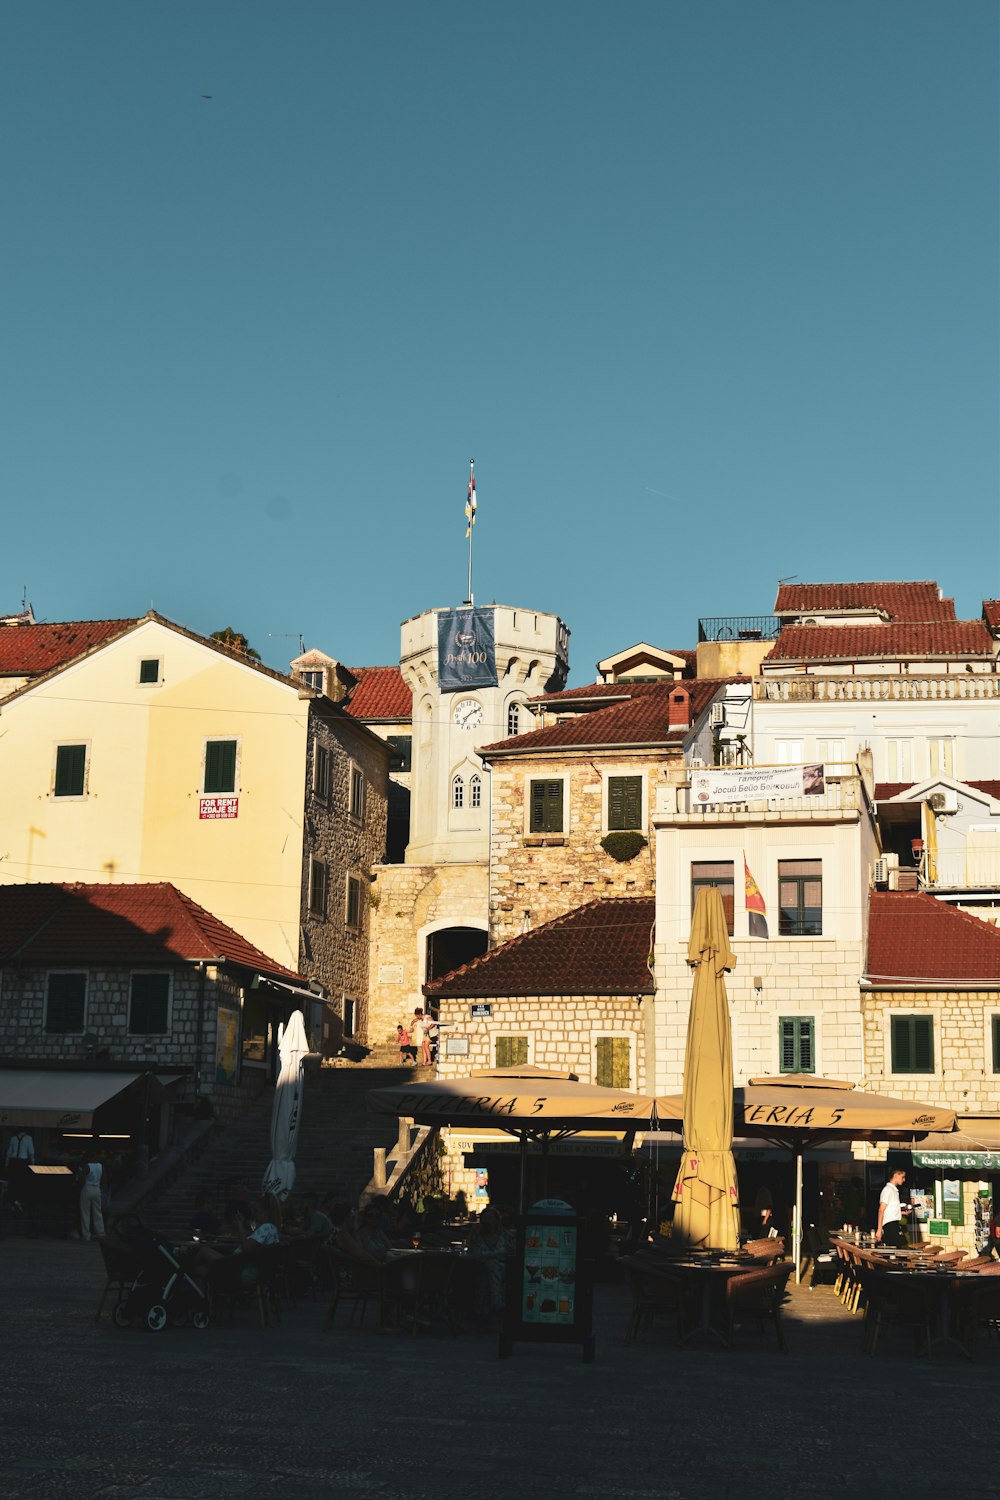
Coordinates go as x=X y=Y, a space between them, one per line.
x=943 y=1283
x=708 y=1276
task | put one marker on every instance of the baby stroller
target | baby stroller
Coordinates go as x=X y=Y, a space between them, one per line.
x=162 y=1291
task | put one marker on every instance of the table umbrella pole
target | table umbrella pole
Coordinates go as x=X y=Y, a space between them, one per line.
x=797 y=1226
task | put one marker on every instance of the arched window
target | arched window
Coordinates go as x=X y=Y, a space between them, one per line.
x=476 y=792
x=513 y=719
x=457 y=792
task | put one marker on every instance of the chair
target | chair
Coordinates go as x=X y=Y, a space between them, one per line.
x=121 y=1266
x=757 y=1294
x=432 y=1298
x=901 y=1303
x=228 y=1287
x=765 y=1249
x=654 y=1293
x=357 y=1283
x=820 y=1257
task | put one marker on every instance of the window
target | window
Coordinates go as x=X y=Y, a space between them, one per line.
x=321 y=774
x=354 y=902
x=995 y=1024
x=912 y=1044
x=513 y=719
x=624 y=802
x=149 y=1004
x=830 y=752
x=71 y=771
x=457 y=792
x=719 y=874
x=476 y=792
x=899 y=760
x=149 y=669
x=788 y=752
x=796 y=1053
x=220 y=766
x=314 y=679
x=319 y=885
x=613 y=1062
x=66 y=1003
x=800 y=897
x=357 y=793
x=402 y=751
x=546 y=807
x=941 y=754
x=511 y=1051
x=350 y=1016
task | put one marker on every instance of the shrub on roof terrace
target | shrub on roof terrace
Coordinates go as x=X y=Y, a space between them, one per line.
x=623 y=846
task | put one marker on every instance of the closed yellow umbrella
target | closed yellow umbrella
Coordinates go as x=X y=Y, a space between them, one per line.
x=706 y=1199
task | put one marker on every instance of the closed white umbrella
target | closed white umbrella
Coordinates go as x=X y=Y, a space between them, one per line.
x=286 y=1112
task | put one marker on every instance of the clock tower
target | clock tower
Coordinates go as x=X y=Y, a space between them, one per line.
x=450 y=786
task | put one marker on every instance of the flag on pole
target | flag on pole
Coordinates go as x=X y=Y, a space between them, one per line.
x=470 y=504
x=756 y=910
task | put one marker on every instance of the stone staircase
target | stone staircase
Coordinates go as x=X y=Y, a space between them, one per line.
x=337 y=1140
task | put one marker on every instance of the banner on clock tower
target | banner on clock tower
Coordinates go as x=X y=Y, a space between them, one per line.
x=466 y=649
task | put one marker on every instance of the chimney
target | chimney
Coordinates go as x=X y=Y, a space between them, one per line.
x=679 y=711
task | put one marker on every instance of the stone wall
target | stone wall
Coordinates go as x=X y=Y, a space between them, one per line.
x=536 y=877
x=409 y=902
x=561 y=1032
x=963 y=1077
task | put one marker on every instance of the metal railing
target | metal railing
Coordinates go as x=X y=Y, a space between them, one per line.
x=738 y=628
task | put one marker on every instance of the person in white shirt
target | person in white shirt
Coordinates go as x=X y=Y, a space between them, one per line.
x=91 y=1217
x=21 y=1148
x=889 y=1230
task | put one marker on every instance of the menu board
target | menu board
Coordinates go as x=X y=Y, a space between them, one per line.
x=548 y=1287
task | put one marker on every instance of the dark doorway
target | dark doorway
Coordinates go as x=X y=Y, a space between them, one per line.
x=451 y=948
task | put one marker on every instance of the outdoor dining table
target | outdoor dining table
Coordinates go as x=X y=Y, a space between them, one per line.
x=942 y=1285
x=708 y=1275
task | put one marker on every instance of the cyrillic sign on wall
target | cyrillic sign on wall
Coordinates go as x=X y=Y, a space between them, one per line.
x=750 y=784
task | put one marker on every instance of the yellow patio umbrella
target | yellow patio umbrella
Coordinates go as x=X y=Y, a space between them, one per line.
x=706 y=1199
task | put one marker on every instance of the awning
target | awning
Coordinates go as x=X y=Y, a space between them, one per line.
x=59 y=1100
x=975 y=1146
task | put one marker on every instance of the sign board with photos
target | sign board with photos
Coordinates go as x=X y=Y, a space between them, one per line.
x=550 y=1290
x=756 y=784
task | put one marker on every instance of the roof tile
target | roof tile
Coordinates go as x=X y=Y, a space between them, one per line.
x=641 y=720
x=381 y=693
x=991 y=613
x=28 y=650
x=901 y=601
x=955 y=638
x=915 y=939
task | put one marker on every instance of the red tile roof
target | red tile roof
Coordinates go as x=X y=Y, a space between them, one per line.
x=28 y=650
x=885 y=790
x=901 y=601
x=106 y=924
x=642 y=720
x=598 y=690
x=381 y=693
x=908 y=641
x=597 y=949
x=914 y=939
x=991 y=613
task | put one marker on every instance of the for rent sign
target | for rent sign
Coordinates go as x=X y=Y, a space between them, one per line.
x=219 y=807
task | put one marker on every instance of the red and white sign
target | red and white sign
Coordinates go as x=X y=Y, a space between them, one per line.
x=219 y=807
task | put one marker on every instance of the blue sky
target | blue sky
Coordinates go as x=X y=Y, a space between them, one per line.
x=710 y=292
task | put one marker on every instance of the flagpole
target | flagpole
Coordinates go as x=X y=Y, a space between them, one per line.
x=470 y=511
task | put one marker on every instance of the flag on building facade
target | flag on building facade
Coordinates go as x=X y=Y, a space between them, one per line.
x=470 y=504
x=756 y=910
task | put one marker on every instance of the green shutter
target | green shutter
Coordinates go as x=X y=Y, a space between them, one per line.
x=149 y=669
x=787 y=1026
x=220 y=766
x=71 y=766
x=511 y=1051
x=613 y=1062
x=806 y=1063
x=624 y=803
x=149 y=1004
x=912 y=1044
x=546 y=807
x=923 y=1044
x=795 y=1035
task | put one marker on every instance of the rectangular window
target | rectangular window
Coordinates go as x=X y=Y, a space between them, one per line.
x=511 y=1051
x=149 y=1004
x=830 y=752
x=71 y=770
x=546 y=807
x=795 y=1045
x=912 y=1044
x=314 y=679
x=350 y=1016
x=613 y=1062
x=319 y=881
x=995 y=1023
x=402 y=751
x=624 y=803
x=720 y=874
x=220 y=766
x=899 y=760
x=941 y=754
x=800 y=897
x=321 y=774
x=66 y=1003
x=149 y=669
x=354 y=902
x=788 y=752
x=357 y=793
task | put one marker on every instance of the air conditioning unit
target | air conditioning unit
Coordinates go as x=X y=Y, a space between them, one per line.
x=717 y=715
x=886 y=871
x=943 y=802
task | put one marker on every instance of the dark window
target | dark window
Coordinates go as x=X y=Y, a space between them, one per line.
x=67 y=1002
x=475 y=792
x=149 y=669
x=614 y=1058
x=546 y=807
x=319 y=878
x=996 y=1044
x=720 y=874
x=513 y=719
x=71 y=770
x=401 y=746
x=624 y=802
x=321 y=778
x=353 y=901
x=314 y=679
x=457 y=792
x=912 y=1044
x=511 y=1051
x=149 y=1004
x=800 y=897
x=220 y=765
x=357 y=793
x=795 y=1035
x=350 y=1013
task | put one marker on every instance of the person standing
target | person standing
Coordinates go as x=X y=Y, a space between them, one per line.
x=889 y=1229
x=20 y=1157
x=91 y=1217
x=418 y=1035
x=407 y=1051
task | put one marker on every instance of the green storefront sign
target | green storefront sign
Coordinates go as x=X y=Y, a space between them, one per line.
x=961 y=1161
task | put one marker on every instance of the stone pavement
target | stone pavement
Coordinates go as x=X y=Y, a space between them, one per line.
x=90 y=1411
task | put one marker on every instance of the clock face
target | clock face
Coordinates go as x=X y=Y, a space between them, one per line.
x=468 y=714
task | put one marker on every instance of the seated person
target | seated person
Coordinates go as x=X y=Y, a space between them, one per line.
x=251 y=1234
x=203 y=1220
x=368 y=1241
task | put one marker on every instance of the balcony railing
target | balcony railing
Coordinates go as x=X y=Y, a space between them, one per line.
x=738 y=628
x=970 y=685
x=966 y=869
x=839 y=795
